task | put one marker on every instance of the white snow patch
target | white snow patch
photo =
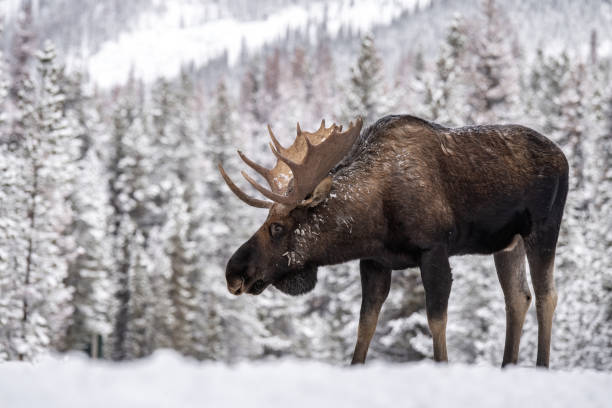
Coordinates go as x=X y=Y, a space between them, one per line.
x=168 y=380
x=184 y=33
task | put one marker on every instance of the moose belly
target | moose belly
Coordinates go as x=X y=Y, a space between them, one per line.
x=488 y=236
x=399 y=255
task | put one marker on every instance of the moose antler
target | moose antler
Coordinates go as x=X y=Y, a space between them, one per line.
x=299 y=168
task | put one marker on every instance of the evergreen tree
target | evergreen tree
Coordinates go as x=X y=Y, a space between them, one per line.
x=569 y=127
x=41 y=247
x=165 y=143
x=219 y=149
x=476 y=324
x=89 y=272
x=414 y=83
x=492 y=75
x=221 y=126
x=342 y=287
x=13 y=198
x=404 y=333
x=139 y=331
x=366 y=85
x=23 y=94
x=596 y=96
x=596 y=350
x=181 y=250
x=22 y=49
x=130 y=165
x=323 y=90
x=13 y=248
x=445 y=90
x=4 y=88
x=122 y=119
x=250 y=94
x=293 y=91
x=271 y=80
x=186 y=125
x=81 y=111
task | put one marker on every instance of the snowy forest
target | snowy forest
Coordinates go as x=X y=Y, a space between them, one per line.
x=115 y=225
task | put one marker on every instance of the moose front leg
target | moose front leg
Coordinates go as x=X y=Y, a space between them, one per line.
x=375 y=284
x=437 y=281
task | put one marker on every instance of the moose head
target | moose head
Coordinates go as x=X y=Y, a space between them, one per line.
x=279 y=252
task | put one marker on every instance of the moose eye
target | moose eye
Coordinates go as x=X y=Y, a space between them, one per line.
x=276 y=230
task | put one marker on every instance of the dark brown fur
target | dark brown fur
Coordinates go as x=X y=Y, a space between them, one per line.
x=413 y=193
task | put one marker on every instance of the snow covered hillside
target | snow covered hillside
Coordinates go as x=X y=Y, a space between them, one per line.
x=168 y=380
x=190 y=32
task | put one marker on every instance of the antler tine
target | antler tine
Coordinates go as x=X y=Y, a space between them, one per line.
x=309 y=160
x=275 y=141
x=307 y=141
x=258 y=168
x=241 y=194
x=319 y=159
x=290 y=163
x=267 y=193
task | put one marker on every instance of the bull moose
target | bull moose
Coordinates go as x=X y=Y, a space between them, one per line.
x=404 y=193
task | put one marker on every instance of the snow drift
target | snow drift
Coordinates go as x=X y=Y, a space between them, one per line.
x=168 y=380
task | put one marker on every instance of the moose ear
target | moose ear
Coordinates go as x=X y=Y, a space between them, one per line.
x=319 y=194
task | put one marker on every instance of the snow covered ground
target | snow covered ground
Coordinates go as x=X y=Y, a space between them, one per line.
x=168 y=380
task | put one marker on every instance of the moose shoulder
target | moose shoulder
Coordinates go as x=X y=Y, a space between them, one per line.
x=404 y=193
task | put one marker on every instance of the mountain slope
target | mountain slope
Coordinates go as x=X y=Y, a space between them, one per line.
x=185 y=32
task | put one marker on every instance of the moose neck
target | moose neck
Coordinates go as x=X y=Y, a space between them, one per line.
x=346 y=226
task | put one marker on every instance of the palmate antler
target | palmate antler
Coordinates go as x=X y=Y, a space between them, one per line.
x=299 y=168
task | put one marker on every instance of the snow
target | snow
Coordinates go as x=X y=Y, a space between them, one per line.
x=9 y=7
x=161 y=43
x=168 y=380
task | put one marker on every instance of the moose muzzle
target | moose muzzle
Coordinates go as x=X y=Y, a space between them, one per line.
x=240 y=273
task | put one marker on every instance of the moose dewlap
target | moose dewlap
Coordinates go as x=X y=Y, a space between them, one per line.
x=404 y=193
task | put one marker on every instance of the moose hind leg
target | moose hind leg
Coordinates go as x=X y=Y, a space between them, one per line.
x=540 y=246
x=541 y=257
x=510 y=267
x=437 y=281
x=375 y=284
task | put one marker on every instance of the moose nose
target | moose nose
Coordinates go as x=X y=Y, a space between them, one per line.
x=235 y=285
x=236 y=273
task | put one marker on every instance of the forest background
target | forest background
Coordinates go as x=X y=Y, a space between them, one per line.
x=115 y=225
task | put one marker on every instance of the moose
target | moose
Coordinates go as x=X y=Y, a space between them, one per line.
x=407 y=193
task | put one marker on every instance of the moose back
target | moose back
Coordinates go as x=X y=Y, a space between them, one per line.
x=406 y=193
